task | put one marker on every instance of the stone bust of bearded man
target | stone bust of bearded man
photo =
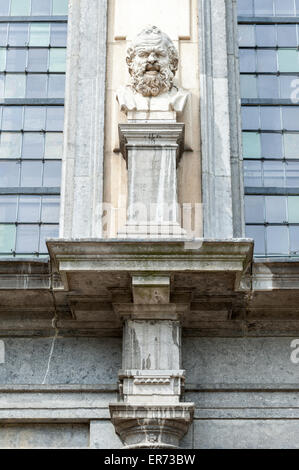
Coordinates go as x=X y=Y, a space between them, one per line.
x=152 y=61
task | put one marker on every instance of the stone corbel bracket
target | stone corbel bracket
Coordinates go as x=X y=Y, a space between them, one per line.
x=140 y=136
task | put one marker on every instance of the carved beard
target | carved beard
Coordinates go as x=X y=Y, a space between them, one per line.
x=152 y=85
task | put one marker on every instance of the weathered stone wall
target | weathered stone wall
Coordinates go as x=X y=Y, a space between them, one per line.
x=245 y=390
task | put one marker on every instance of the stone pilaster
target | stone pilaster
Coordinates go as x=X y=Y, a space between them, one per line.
x=152 y=380
x=152 y=151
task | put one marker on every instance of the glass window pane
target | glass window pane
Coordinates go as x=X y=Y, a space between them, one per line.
x=38 y=60
x=254 y=209
x=2 y=78
x=58 y=34
x=268 y=86
x=52 y=174
x=252 y=173
x=7 y=238
x=250 y=117
x=291 y=145
x=39 y=34
x=56 y=86
x=289 y=87
x=8 y=208
x=60 y=7
x=266 y=61
x=55 y=117
x=293 y=204
x=4 y=8
x=31 y=173
x=266 y=35
x=288 y=60
x=270 y=118
x=284 y=7
x=3 y=34
x=263 y=8
x=57 y=60
x=245 y=7
x=10 y=145
x=247 y=60
x=271 y=145
x=290 y=118
x=251 y=145
x=274 y=174
x=40 y=7
x=286 y=35
x=54 y=144
x=2 y=60
x=47 y=231
x=18 y=34
x=277 y=240
x=246 y=35
x=276 y=209
x=29 y=209
x=9 y=174
x=15 y=86
x=12 y=119
x=294 y=240
x=292 y=174
x=248 y=86
x=27 y=238
x=33 y=145
x=50 y=209
x=258 y=234
x=35 y=118
x=16 y=60
x=37 y=85
x=20 y=8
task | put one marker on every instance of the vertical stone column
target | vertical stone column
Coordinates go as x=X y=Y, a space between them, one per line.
x=152 y=380
x=152 y=151
x=82 y=174
x=222 y=173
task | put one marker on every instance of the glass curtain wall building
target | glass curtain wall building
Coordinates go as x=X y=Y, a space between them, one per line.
x=269 y=67
x=32 y=78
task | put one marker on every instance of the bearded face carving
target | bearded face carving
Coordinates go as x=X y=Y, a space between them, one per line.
x=152 y=62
